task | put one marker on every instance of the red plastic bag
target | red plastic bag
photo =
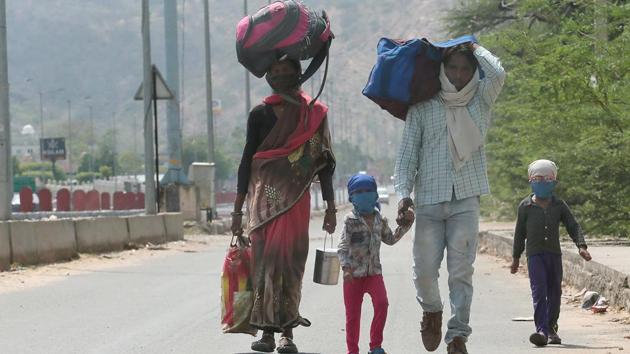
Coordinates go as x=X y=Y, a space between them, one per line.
x=236 y=289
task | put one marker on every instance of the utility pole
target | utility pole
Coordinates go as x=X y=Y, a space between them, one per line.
x=209 y=103
x=149 y=169
x=92 y=146
x=114 y=151
x=6 y=165
x=248 y=100
x=68 y=147
x=41 y=115
x=174 y=174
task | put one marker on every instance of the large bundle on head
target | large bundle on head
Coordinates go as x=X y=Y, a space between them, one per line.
x=407 y=72
x=283 y=29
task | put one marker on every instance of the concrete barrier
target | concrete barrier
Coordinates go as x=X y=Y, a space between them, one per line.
x=174 y=226
x=34 y=242
x=31 y=242
x=101 y=234
x=146 y=228
x=5 y=246
x=593 y=276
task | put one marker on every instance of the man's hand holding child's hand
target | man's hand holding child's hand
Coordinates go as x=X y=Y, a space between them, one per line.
x=405 y=218
x=514 y=266
x=585 y=254
x=405 y=212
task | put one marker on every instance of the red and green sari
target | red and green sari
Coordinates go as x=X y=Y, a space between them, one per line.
x=286 y=163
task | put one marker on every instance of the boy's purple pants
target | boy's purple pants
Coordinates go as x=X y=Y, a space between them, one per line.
x=545 y=279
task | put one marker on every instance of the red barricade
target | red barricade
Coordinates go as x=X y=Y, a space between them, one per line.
x=105 y=201
x=119 y=201
x=92 y=201
x=45 y=200
x=26 y=200
x=78 y=200
x=63 y=200
x=139 y=203
x=130 y=200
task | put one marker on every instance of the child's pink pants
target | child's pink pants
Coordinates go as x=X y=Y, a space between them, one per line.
x=353 y=292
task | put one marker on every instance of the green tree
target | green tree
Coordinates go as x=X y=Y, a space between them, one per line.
x=130 y=163
x=565 y=99
x=41 y=170
x=105 y=171
x=105 y=150
x=16 y=166
x=195 y=149
x=86 y=162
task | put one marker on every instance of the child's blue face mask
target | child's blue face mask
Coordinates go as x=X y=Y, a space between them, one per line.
x=364 y=202
x=543 y=189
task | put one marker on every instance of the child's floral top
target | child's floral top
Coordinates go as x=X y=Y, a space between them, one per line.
x=359 y=249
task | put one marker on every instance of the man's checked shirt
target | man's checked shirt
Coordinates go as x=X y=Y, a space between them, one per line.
x=424 y=160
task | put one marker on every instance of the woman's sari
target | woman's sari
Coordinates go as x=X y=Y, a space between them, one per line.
x=286 y=163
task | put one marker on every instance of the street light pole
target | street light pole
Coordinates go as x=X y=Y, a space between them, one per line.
x=41 y=115
x=92 y=146
x=147 y=84
x=68 y=148
x=114 y=151
x=209 y=103
x=6 y=165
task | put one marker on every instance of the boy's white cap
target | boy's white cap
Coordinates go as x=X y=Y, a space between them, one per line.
x=542 y=168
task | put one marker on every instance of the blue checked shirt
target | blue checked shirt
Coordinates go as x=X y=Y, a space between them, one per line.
x=424 y=160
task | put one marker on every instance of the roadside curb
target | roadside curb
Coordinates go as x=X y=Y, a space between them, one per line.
x=579 y=273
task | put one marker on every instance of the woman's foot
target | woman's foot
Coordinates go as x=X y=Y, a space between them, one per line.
x=286 y=345
x=265 y=344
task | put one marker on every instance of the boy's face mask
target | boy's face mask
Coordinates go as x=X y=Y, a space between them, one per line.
x=543 y=189
x=364 y=202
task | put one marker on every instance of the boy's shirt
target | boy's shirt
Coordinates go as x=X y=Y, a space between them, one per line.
x=359 y=248
x=540 y=227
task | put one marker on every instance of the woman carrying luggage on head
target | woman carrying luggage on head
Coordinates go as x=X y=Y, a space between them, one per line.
x=287 y=146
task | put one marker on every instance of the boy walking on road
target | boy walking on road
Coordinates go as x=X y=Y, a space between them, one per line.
x=359 y=252
x=537 y=230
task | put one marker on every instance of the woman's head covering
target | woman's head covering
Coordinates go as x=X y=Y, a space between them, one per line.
x=361 y=181
x=542 y=168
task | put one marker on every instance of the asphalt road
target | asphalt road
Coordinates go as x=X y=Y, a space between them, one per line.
x=167 y=301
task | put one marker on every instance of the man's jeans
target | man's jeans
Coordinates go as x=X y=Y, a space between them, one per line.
x=452 y=225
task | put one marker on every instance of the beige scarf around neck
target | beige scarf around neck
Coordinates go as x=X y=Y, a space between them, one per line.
x=464 y=136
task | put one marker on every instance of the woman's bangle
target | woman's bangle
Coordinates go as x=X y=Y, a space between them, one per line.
x=237 y=213
x=331 y=211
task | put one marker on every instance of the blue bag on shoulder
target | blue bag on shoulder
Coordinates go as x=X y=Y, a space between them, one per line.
x=407 y=72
